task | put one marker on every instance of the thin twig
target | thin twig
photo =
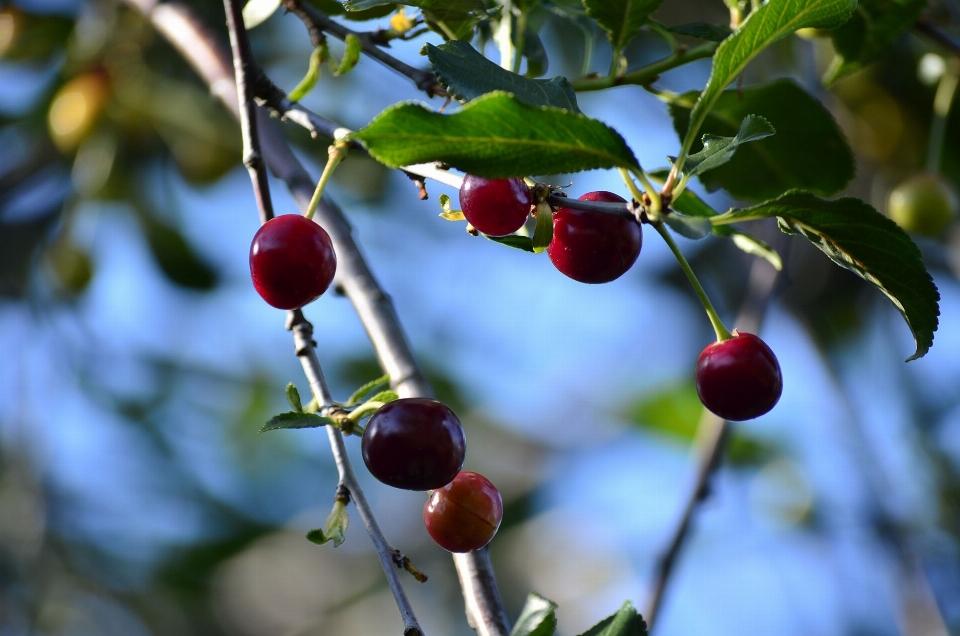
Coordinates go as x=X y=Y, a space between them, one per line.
x=712 y=433
x=304 y=345
x=242 y=56
x=177 y=23
x=316 y=21
x=305 y=349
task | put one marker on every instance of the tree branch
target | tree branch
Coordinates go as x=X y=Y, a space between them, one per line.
x=304 y=345
x=176 y=23
x=317 y=21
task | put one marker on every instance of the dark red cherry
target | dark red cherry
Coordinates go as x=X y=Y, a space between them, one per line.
x=292 y=261
x=464 y=515
x=739 y=379
x=593 y=247
x=495 y=206
x=414 y=444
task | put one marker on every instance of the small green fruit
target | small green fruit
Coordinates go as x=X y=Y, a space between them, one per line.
x=923 y=204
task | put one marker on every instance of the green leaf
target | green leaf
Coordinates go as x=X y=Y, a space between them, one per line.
x=334 y=7
x=691 y=227
x=313 y=74
x=293 y=419
x=364 y=390
x=537 y=618
x=808 y=152
x=860 y=239
x=870 y=33
x=318 y=536
x=675 y=412
x=719 y=150
x=621 y=19
x=495 y=136
x=519 y=242
x=256 y=12
x=384 y=396
x=293 y=397
x=703 y=31
x=692 y=205
x=351 y=55
x=543 y=232
x=626 y=622
x=455 y=17
x=176 y=258
x=767 y=24
x=467 y=74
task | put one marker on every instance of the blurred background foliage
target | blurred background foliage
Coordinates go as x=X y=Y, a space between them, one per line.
x=137 y=364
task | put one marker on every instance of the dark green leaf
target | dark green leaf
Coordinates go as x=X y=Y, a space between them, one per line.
x=496 y=136
x=621 y=19
x=860 y=239
x=719 y=150
x=176 y=257
x=675 y=413
x=704 y=31
x=809 y=150
x=870 y=33
x=537 y=618
x=767 y=24
x=519 y=242
x=364 y=390
x=293 y=419
x=626 y=622
x=334 y=7
x=467 y=74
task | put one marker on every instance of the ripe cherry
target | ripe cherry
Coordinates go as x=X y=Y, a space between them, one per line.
x=496 y=207
x=924 y=204
x=464 y=515
x=292 y=261
x=414 y=444
x=739 y=379
x=593 y=247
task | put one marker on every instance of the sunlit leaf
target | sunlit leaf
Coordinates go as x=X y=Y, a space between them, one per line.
x=626 y=622
x=537 y=618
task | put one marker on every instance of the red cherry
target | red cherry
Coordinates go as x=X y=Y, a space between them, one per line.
x=593 y=247
x=496 y=207
x=739 y=379
x=292 y=261
x=414 y=444
x=464 y=515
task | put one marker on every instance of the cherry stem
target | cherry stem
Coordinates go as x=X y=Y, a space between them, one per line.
x=941 y=110
x=721 y=331
x=335 y=154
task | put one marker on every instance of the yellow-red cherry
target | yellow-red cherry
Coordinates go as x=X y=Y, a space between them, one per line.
x=464 y=515
x=496 y=207
x=594 y=247
x=292 y=261
x=414 y=444
x=739 y=379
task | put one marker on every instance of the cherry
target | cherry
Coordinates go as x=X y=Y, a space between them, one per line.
x=414 y=444
x=292 y=261
x=923 y=204
x=593 y=247
x=464 y=515
x=496 y=207
x=739 y=379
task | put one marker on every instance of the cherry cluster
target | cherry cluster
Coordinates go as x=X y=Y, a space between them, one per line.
x=738 y=378
x=411 y=443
